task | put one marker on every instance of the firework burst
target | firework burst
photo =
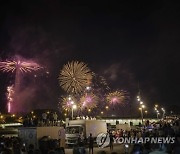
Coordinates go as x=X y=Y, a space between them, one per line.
x=74 y=77
x=89 y=101
x=117 y=97
x=99 y=82
x=23 y=66
x=66 y=103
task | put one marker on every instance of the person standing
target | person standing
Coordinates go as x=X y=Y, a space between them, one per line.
x=44 y=117
x=55 y=118
x=111 y=141
x=91 y=142
x=62 y=138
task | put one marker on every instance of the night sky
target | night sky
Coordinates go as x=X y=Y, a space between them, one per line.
x=128 y=43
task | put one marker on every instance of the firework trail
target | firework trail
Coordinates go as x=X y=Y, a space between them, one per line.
x=74 y=77
x=10 y=93
x=18 y=66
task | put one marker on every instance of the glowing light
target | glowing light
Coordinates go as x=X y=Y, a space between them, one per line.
x=143 y=106
x=89 y=110
x=74 y=106
x=107 y=107
x=69 y=98
x=102 y=112
x=163 y=109
x=141 y=102
x=13 y=115
x=88 y=88
x=75 y=77
x=117 y=97
x=145 y=111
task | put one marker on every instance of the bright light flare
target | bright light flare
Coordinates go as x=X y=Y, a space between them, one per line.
x=74 y=106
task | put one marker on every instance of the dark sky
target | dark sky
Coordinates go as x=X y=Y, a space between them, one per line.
x=127 y=43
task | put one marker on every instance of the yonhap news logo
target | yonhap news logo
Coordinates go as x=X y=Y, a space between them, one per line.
x=143 y=140
x=103 y=140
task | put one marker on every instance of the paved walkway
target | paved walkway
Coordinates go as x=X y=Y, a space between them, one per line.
x=117 y=148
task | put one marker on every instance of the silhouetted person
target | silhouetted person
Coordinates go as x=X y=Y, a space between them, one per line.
x=91 y=142
x=111 y=141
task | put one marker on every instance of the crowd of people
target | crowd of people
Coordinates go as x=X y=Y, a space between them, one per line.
x=46 y=119
x=160 y=129
x=14 y=145
x=163 y=128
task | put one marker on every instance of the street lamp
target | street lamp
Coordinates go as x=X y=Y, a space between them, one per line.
x=107 y=107
x=73 y=108
x=141 y=109
x=141 y=113
x=157 y=112
x=163 y=112
x=141 y=103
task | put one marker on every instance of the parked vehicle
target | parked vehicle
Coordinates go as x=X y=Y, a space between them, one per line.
x=31 y=135
x=80 y=129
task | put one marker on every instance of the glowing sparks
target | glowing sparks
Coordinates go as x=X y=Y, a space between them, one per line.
x=10 y=93
x=89 y=101
x=23 y=66
x=117 y=97
x=99 y=82
x=75 y=77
